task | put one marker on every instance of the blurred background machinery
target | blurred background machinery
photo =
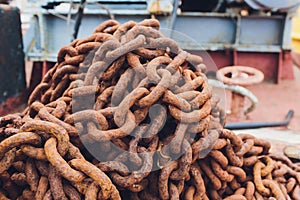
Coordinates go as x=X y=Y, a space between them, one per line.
x=255 y=33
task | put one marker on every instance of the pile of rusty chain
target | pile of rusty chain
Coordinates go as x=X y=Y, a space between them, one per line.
x=125 y=113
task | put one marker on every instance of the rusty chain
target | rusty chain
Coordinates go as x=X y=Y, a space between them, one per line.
x=125 y=113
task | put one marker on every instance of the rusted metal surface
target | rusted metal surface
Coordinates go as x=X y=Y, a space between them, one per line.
x=125 y=113
x=160 y=6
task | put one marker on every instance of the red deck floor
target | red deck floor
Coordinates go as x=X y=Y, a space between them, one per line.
x=275 y=100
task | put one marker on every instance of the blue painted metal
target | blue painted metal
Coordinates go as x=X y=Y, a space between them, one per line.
x=261 y=30
x=203 y=31
x=273 y=4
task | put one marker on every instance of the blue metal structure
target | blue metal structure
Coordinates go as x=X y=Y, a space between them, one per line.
x=263 y=32
x=231 y=25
